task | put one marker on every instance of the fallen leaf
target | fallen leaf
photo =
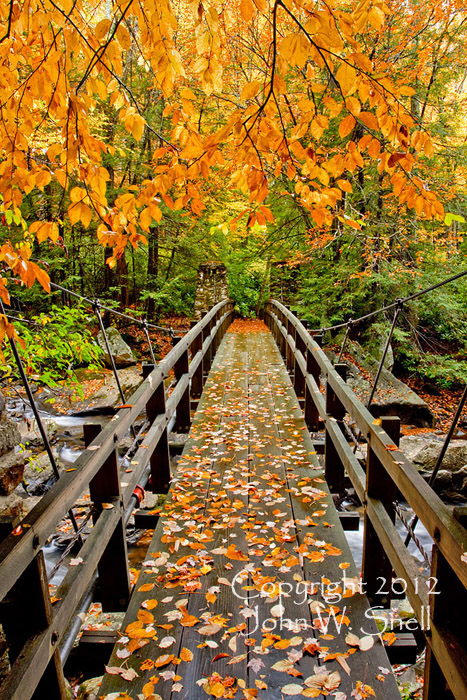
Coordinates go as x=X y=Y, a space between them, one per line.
x=163 y=660
x=208 y=630
x=366 y=643
x=292 y=689
x=186 y=654
x=145 y=587
x=167 y=642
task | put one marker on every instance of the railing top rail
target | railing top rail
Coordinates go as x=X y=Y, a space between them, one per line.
x=449 y=535
x=18 y=550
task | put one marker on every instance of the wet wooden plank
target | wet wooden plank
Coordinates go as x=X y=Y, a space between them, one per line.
x=236 y=552
x=326 y=537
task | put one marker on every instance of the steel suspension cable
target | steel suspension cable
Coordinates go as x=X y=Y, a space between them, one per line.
x=393 y=304
x=91 y=302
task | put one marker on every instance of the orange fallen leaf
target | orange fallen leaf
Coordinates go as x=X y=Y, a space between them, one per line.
x=145 y=587
x=187 y=620
x=163 y=660
x=186 y=654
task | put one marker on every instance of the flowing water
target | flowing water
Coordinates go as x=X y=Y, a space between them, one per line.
x=355 y=538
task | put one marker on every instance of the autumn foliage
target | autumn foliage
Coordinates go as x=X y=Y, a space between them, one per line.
x=294 y=97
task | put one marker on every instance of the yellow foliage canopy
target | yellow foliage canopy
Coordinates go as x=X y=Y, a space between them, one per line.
x=253 y=89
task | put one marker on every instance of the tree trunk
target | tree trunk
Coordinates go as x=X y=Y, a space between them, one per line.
x=153 y=269
x=122 y=276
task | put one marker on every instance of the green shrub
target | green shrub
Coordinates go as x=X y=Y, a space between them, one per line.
x=60 y=341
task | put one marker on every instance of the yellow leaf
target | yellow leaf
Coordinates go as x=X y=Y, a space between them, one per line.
x=186 y=95
x=374 y=149
x=346 y=126
x=345 y=185
x=148 y=689
x=353 y=105
x=347 y=78
x=102 y=28
x=406 y=90
x=368 y=119
x=186 y=654
x=163 y=660
x=137 y=127
x=61 y=177
x=155 y=212
x=124 y=38
x=85 y=214
x=376 y=17
x=246 y=10
x=42 y=277
x=217 y=689
x=250 y=90
x=74 y=213
x=145 y=219
x=77 y=194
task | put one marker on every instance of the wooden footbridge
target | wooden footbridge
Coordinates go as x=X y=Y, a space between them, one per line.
x=248 y=589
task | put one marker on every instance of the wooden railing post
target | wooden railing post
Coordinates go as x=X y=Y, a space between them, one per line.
x=183 y=418
x=160 y=458
x=282 y=340
x=207 y=359
x=334 y=469
x=299 y=379
x=311 y=411
x=215 y=339
x=446 y=592
x=376 y=567
x=24 y=613
x=104 y=487
x=197 y=378
x=289 y=353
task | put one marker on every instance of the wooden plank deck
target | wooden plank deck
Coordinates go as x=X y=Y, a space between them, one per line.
x=249 y=563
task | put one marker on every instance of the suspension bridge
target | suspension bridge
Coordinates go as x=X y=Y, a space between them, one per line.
x=248 y=588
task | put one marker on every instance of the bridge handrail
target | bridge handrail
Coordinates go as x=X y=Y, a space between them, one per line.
x=422 y=499
x=98 y=466
x=385 y=461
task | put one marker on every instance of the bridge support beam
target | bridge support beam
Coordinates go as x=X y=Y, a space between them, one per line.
x=183 y=418
x=376 y=567
x=160 y=458
x=197 y=378
x=299 y=379
x=312 y=418
x=104 y=488
x=333 y=466
x=25 y=613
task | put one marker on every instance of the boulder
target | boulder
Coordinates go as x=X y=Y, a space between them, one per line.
x=423 y=452
x=9 y=434
x=392 y=398
x=121 y=352
x=103 y=401
x=31 y=437
x=11 y=461
x=11 y=471
x=12 y=506
x=38 y=474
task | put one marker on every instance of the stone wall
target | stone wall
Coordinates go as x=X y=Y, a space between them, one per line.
x=211 y=287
